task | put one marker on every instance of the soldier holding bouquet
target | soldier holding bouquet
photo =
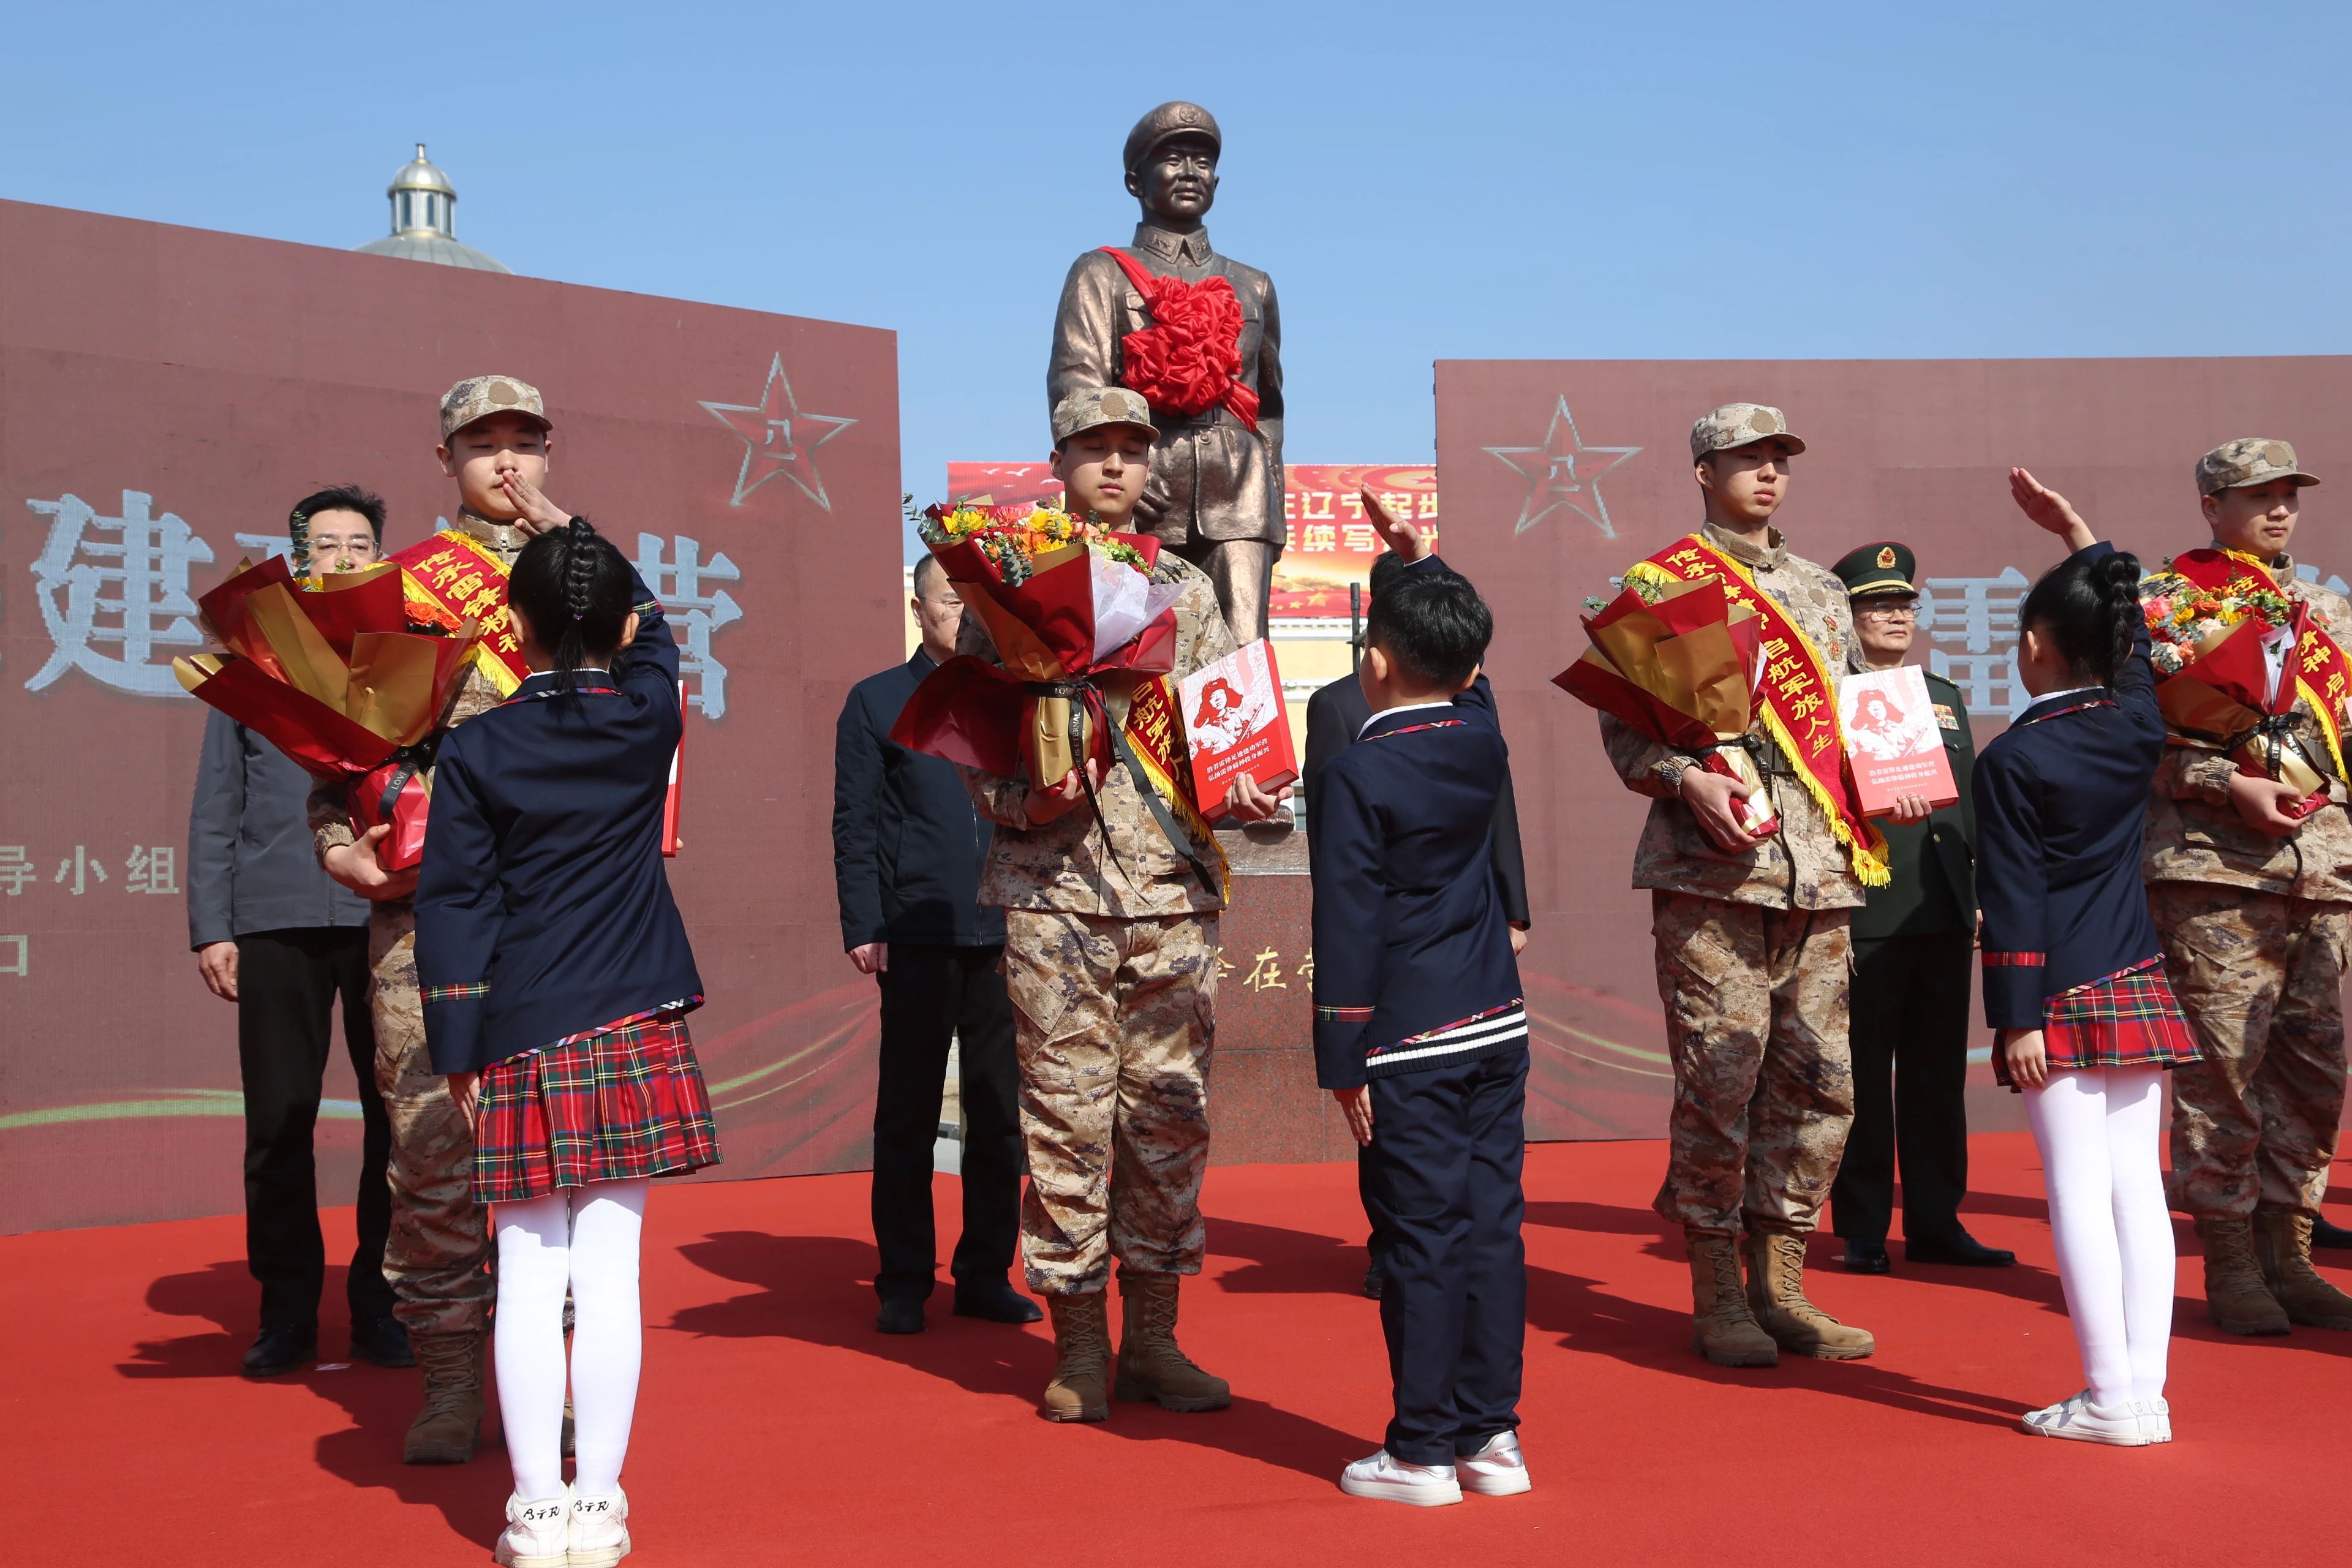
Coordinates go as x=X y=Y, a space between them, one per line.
x=2251 y=884
x=1111 y=905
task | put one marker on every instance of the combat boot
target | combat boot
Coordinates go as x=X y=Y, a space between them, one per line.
x=1722 y=1328
x=445 y=1430
x=1776 y=1291
x=2235 y=1297
x=1081 y=1357
x=2282 y=1248
x=1150 y=1366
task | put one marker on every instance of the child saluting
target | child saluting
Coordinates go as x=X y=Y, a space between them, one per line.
x=557 y=979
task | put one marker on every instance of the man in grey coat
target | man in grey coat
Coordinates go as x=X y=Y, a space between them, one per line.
x=273 y=934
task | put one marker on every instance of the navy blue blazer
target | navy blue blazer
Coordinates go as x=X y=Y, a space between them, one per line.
x=1414 y=967
x=2061 y=804
x=908 y=845
x=542 y=907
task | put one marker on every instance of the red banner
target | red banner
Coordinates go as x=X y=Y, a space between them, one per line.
x=1327 y=545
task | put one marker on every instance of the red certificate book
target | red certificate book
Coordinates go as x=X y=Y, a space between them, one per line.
x=1235 y=723
x=669 y=799
x=1891 y=736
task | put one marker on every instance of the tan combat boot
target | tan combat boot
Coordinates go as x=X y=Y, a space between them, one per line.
x=2282 y=1248
x=1722 y=1328
x=2235 y=1297
x=1150 y=1367
x=445 y=1430
x=1081 y=1357
x=1776 y=1291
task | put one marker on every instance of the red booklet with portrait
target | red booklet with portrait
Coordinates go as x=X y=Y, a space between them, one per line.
x=1235 y=723
x=1894 y=740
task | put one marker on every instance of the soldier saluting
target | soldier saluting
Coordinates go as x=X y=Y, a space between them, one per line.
x=1198 y=335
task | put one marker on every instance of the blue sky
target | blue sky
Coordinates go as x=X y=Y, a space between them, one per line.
x=1469 y=181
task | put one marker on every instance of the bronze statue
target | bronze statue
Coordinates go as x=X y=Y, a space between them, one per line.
x=1199 y=336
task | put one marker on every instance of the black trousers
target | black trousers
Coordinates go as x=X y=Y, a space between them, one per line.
x=1447 y=1147
x=287 y=982
x=1910 y=1025
x=930 y=997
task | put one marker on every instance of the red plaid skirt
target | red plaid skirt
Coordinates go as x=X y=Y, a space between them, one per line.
x=613 y=1104
x=2128 y=1019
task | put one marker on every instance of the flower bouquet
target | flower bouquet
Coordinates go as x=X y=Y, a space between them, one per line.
x=332 y=675
x=1680 y=669
x=2223 y=644
x=1065 y=603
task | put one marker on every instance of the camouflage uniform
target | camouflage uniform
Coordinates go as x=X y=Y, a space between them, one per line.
x=437 y=1257
x=2255 y=931
x=1112 y=969
x=1754 y=954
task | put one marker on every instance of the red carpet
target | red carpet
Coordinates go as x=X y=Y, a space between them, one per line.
x=776 y=1427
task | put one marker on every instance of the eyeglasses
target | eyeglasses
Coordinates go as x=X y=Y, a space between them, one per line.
x=1889 y=613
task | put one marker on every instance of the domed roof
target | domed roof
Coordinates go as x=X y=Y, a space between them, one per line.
x=425 y=220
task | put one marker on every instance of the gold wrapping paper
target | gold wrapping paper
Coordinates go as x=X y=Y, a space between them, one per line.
x=1047 y=745
x=2207 y=720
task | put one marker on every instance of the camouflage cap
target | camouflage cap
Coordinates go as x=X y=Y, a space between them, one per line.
x=1177 y=119
x=2248 y=460
x=480 y=397
x=1090 y=406
x=1741 y=424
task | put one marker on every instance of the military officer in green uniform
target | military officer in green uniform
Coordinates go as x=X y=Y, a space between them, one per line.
x=1914 y=943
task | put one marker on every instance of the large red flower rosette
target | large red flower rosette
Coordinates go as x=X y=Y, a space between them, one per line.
x=1190 y=359
x=334 y=675
x=1066 y=605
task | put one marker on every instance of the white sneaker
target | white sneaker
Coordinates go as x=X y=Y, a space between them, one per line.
x=1393 y=1480
x=2158 y=1421
x=1498 y=1470
x=599 y=1530
x=537 y=1532
x=2126 y=1426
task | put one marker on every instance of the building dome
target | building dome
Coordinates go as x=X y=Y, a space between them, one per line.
x=425 y=220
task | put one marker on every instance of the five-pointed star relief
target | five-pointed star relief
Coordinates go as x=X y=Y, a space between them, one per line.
x=771 y=444
x=1564 y=472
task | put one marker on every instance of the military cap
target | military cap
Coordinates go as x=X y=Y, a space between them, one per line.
x=1741 y=424
x=1177 y=119
x=2248 y=460
x=1090 y=406
x=480 y=397
x=1885 y=568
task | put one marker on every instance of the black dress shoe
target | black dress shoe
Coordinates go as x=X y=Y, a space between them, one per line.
x=2325 y=1235
x=279 y=1351
x=1866 y=1257
x=900 y=1315
x=995 y=1301
x=1960 y=1248
x=383 y=1342
x=1376 y=1279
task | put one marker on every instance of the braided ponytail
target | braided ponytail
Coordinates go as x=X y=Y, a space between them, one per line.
x=2091 y=613
x=573 y=587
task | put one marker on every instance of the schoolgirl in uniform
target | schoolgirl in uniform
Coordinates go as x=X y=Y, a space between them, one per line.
x=556 y=978
x=2073 y=976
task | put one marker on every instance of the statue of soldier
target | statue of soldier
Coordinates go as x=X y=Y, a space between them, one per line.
x=1197 y=334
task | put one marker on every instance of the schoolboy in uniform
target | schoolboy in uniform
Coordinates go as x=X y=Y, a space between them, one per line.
x=1754 y=951
x=1421 y=1031
x=1111 y=887
x=2254 y=906
x=495 y=441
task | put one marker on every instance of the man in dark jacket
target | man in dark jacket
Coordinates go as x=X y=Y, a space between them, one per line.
x=1335 y=714
x=1914 y=944
x=273 y=934
x=907 y=848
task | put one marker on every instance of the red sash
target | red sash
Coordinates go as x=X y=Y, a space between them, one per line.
x=2322 y=672
x=1800 y=704
x=448 y=580
x=1190 y=359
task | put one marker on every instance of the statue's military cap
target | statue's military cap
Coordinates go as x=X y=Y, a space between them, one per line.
x=1177 y=119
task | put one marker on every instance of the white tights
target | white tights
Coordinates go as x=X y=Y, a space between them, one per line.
x=2096 y=1129
x=584 y=1238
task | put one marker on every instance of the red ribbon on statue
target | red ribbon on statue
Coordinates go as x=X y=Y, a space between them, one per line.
x=1190 y=359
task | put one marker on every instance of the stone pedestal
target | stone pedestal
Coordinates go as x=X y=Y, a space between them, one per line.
x=1264 y=1106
